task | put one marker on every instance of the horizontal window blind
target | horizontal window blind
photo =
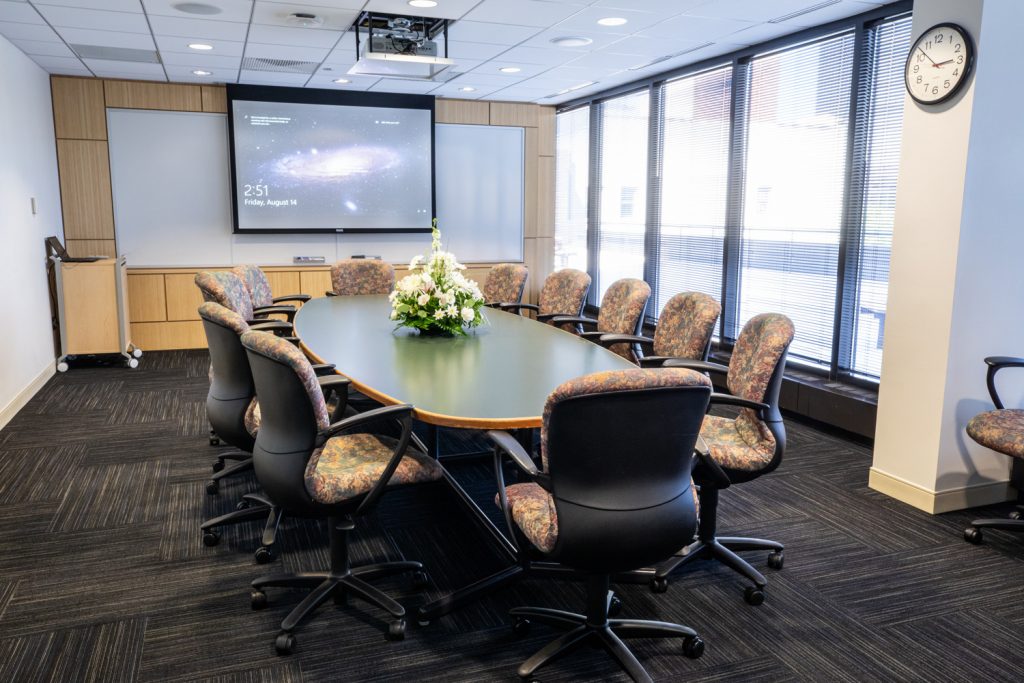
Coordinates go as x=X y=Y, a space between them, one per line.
x=794 y=183
x=572 y=166
x=694 y=184
x=623 y=209
x=877 y=148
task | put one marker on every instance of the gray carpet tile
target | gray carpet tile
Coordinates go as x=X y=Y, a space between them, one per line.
x=103 y=575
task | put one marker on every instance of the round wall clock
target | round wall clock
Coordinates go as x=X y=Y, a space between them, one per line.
x=939 y=63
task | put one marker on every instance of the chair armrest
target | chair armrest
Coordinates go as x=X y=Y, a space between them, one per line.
x=331 y=293
x=607 y=340
x=294 y=340
x=376 y=415
x=505 y=444
x=571 y=320
x=995 y=364
x=274 y=326
x=292 y=297
x=730 y=400
x=513 y=449
x=702 y=365
x=657 y=361
x=519 y=307
x=592 y=335
x=1005 y=362
x=703 y=454
x=267 y=310
x=323 y=368
x=547 y=317
x=329 y=382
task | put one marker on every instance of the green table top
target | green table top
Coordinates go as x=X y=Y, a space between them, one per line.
x=498 y=377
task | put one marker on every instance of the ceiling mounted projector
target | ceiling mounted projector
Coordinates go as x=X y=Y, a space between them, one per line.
x=392 y=46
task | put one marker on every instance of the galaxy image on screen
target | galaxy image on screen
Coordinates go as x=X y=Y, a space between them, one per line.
x=331 y=167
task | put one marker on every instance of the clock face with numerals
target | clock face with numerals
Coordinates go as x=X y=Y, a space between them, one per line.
x=939 y=63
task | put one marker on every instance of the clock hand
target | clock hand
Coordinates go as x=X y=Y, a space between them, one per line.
x=926 y=55
x=948 y=61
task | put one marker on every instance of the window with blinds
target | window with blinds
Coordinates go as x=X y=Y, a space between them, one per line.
x=794 y=184
x=622 y=141
x=694 y=184
x=572 y=168
x=877 y=149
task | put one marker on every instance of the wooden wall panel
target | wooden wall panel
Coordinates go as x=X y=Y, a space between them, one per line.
x=530 y=183
x=546 y=131
x=78 y=109
x=545 y=196
x=215 y=99
x=146 y=95
x=462 y=111
x=540 y=259
x=514 y=114
x=183 y=297
x=314 y=282
x=169 y=335
x=146 y=299
x=85 y=189
x=284 y=282
x=91 y=247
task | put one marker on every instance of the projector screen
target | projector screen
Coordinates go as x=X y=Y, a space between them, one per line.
x=334 y=162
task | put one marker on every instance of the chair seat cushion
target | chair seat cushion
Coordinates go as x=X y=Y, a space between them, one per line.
x=728 y=447
x=533 y=511
x=348 y=466
x=1000 y=430
x=252 y=417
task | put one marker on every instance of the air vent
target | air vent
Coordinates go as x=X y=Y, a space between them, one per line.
x=805 y=10
x=117 y=54
x=288 y=66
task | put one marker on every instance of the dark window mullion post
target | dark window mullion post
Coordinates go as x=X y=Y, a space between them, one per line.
x=594 y=200
x=652 y=231
x=848 y=262
x=739 y=109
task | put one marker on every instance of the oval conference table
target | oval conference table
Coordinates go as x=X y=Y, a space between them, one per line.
x=497 y=377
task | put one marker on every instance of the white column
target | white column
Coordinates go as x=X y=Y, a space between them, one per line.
x=956 y=285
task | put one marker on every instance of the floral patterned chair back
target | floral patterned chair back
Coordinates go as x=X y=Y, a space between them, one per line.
x=686 y=325
x=622 y=311
x=362 y=276
x=564 y=292
x=256 y=282
x=505 y=283
x=226 y=289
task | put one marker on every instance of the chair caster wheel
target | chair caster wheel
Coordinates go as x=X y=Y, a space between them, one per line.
x=218 y=466
x=973 y=535
x=210 y=538
x=776 y=560
x=693 y=647
x=423 y=622
x=257 y=600
x=754 y=596
x=420 y=579
x=212 y=487
x=659 y=584
x=264 y=555
x=396 y=630
x=614 y=606
x=214 y=441
x=242 y=505
x=1016 y=514
x=285 y=644
x=521 y=626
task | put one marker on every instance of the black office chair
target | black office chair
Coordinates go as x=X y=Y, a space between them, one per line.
x=622 y=312
x=564 y=293
x=312 y=468
x=360 y=276
x=234 y=413
x=263 y=299
x=741 y=449
x=615 y=495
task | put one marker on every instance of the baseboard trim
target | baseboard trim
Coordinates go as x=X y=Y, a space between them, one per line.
x=25 y=395
x=937 y=502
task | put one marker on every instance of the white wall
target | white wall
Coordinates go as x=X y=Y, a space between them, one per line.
x=28 y=168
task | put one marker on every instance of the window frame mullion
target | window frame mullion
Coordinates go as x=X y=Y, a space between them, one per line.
x=733 y=238
x=652 y=227
x=594 y=200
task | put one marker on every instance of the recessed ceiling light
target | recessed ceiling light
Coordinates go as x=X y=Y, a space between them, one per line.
x=467 y=88
x=200 y=46
x=197 y=8
x=612 y=21
x=510 y=69
x=200 y=72
x=572 y=41
x=342 y=80
x=422 y=3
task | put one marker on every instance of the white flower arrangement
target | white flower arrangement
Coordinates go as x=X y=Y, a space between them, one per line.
x=435 y=297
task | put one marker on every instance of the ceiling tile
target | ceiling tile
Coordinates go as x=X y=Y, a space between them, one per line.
x=280 y=35
x=481 y=79
x=19 y=12
x=538 y=55
x=493 y=68
x=403 y=86
x=109 y=5
x=338 y=18
x=830 y=13
x=305 y=54
x=82 y=36
x=749 y=10
x=272 y=78
x=179 y=44
x=326 y=80
x=523 y=12
x=446 y=9
x=585 y=21
x=73 y=17
x=651 y=47
x=496 y=34
x=58 y=62
x=544 y=38
x=664 y=7
x=28 y=32
x=459 y=50
x=231 y=10
x=184 y=73
x=606 y=59
x=452 y=89
x=760 y=33
x=205 y=61
x=128 y=76
x=198 y=28
x=690 y=27
x=108 y=65
x=37 y=47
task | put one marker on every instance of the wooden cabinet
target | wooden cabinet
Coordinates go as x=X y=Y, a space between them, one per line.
x=92 y=302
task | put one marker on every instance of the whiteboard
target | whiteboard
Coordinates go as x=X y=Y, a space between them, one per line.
x=170 y=177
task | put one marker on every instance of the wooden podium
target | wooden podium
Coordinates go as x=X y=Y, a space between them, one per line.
x=92 y=305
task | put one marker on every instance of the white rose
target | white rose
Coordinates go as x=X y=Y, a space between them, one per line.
x=468 y=314
x=424 y=298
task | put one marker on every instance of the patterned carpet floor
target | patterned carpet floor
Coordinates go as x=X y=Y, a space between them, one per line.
x=103 y=576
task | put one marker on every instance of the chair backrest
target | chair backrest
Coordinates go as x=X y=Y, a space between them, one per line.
x=564 y=292
x=292 y=412
x=362 y=276
x=231 y=384
x=686 y=325
x=755 y=372
x=505 y=283
x=622 y=311
x=256 y=283
x=226 y=289
x=618 y=447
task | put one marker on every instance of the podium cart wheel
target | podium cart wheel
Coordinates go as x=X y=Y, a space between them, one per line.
x=62 y=366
